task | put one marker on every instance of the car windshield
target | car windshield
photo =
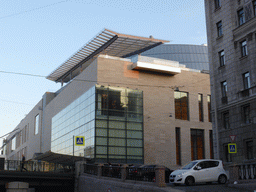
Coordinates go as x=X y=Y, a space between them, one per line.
x=190 y=165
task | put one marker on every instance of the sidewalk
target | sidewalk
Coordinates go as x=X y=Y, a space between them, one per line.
x=248 y=185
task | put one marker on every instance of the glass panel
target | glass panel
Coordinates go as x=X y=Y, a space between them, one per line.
x=116 y=133
x=101 y=132
x=117 y=124
x=134 y=151
x=101 y=123
x=134 y=143
x=116 y=150
x=117 y=157
x=101 y=141
x=134 y=126
x=101 y=156
x=133 y=157
x=134 y=134
x=117 y=142
x=101 y=150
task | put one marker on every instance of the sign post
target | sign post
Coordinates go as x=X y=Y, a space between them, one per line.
x=78 y=141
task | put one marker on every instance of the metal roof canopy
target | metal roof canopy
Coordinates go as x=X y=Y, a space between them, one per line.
x=107 y=42
x=52 y=157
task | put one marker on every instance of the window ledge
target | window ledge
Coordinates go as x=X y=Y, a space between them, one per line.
x=219 y=37
x=222 y=67
x=243 y=57
x=217 y=9
x=224 y=130
x=249 y=160
x=246 y=124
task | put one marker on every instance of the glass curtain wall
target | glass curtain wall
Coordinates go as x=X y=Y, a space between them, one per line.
x=113 y=132
x=119 y=125
x=77 y=119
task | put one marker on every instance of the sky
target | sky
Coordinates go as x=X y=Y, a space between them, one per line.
x=38 y=36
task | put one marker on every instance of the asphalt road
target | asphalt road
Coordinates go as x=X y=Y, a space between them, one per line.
x=214 y=187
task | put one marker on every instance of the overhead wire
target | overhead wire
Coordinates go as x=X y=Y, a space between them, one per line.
x=107 y=82
x=37 y=8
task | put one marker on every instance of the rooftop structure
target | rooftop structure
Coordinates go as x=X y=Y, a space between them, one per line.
x=107 y=42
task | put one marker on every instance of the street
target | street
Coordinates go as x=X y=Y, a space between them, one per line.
x=214 y=187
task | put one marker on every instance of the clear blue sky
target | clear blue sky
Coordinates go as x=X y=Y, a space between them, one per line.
x=38 y=36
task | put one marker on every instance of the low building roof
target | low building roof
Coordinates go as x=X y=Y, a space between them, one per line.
x=107 y=42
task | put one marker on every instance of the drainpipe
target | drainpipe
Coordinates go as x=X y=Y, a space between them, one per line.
x=216 y=122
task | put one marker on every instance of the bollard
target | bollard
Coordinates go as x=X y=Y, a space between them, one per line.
x=123 y=172
x=100 y=166
x=160 y=176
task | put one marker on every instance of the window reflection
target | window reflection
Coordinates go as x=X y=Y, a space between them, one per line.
x=113 y=132
x=181 y=105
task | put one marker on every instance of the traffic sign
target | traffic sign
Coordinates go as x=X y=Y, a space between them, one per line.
x=232 y=148
x=79 y=141
x=232 y=137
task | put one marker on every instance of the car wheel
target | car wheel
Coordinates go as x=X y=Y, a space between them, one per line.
x=189 y=180
x=222 y=179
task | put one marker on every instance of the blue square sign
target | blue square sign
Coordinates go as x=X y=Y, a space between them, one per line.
x=232 y=148
x=79 y=141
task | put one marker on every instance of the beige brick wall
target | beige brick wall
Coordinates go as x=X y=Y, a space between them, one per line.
x=158 y=96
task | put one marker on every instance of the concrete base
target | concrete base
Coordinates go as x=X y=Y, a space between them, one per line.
x=17 y=187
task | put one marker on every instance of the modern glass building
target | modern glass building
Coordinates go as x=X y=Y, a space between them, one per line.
x=110 y=119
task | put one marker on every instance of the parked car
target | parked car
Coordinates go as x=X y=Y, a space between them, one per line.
x=206 y=170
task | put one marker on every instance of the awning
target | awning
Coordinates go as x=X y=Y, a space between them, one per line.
x=107 y=42
x=52 y=157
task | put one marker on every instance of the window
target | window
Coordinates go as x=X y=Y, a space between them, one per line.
x=21 y=137
x=249 y=149
x=246 y=80
x=222 y=58
x=246 y=114
x=211 y=144
x=197 y=144
x=200 y=107
x=217 y=4
x=241 y=17
x=36 y=124
x=13 y=144
x=227 y=157
x=224 y=88
x=225 y=117
x=181 y=105
x=244 y=48
x=209 y=108
x=219 y=28
x=178 y=151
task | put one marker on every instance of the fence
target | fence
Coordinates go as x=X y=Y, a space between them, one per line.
x=36 y=166
x=125 y=172
x=247 y=171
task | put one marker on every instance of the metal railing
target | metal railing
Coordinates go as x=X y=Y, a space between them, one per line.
x=36 y=166
x=141 y=174
x=91 y=169
x=114 y=171
x=111 y=171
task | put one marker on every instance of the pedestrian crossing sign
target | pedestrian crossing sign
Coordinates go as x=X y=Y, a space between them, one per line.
x=232 y=148
x=79 y=141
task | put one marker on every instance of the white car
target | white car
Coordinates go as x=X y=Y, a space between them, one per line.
x=205 y=170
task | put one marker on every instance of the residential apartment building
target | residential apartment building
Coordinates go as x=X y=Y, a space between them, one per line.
x=231 y=31
x=129 y=108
